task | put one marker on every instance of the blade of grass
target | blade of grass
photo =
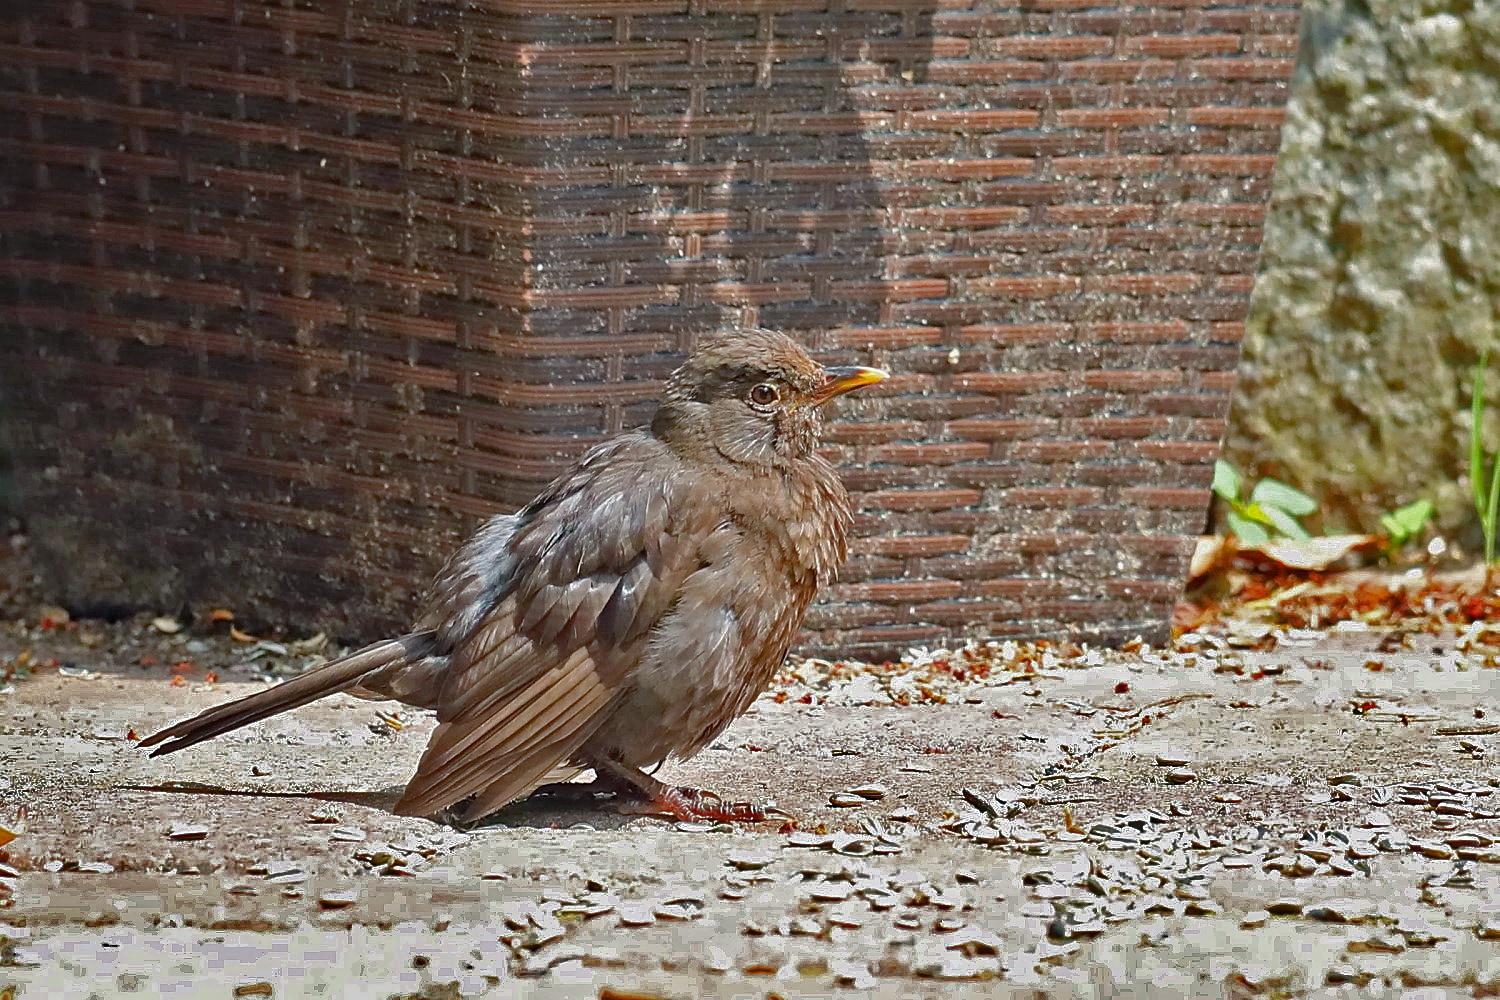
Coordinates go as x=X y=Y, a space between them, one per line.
x=1476 y=444
x=1490 y=511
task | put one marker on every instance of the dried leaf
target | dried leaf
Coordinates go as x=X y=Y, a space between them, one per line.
x=1209 y=551
x=12 y=828
x=1313 y=553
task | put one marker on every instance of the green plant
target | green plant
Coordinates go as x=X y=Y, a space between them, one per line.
x=1404 y=523
x=1272 y=511
x=1486 y=488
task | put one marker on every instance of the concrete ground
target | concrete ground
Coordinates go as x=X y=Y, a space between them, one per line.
x=1314 y=816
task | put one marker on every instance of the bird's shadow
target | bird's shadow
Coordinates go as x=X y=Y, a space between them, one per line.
x=540 y=811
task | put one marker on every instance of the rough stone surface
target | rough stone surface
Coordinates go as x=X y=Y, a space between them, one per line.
x=1341 y=834
x=1381 y=262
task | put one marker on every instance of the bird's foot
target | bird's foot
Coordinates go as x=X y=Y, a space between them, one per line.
x=642 y=795
x=688 y=804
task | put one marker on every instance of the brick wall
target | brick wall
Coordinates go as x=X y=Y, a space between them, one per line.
x=293 y=296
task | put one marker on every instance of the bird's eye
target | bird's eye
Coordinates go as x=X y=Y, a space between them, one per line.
x=764 y=394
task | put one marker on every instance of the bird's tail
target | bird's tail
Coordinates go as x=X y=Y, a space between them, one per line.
x=330 y=678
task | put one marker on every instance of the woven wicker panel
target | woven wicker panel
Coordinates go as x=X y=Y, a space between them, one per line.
x=295 y=294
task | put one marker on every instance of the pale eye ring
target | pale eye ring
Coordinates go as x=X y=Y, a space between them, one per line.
x=764 y=394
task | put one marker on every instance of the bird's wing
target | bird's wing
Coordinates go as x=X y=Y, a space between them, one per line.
x=592 y=564
x=469 y=584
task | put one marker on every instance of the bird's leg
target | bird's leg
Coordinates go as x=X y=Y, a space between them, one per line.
x=652 y=797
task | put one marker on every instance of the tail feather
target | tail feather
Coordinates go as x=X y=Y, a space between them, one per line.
x=330 y=678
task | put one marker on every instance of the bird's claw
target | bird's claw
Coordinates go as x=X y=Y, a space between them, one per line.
x=689 y=804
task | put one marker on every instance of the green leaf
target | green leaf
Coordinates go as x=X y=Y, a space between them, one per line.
x=1226 y=481
x=1407 y=521
x=1275 y=493
x=1252 y=512
x=1285 y=523
x=1247 y=530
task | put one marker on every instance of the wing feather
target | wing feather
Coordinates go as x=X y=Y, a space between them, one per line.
x=531 y=705
x=590 y=566
x=465 y=757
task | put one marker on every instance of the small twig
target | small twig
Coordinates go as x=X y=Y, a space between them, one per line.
x=1164 y=703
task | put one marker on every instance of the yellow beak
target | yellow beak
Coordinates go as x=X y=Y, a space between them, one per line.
x=837 y=381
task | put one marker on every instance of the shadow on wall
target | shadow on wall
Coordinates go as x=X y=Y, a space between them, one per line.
x=752 y=191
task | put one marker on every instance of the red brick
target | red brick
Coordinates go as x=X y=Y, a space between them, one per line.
x=910 y=545
x=1040 y=287
x=1113 y=117
x=1084 y=610
x=1228 y=333
x=871 y=431
x=1176 y=451
x=896 y=290
x=1053 y=47
x=873 y=642
x=1094 y=215
x=983 y=71
x=1122 y=427
x=1058 y=451
x=1178 y=46
x=1060 y=496
x=1250 y=20
x=1024 y=588
x=1236 y=214
x=1172 y=545
x=958 y=169
x=972 y=121
x=998 y=429
x=1013 y=333
x=1027 y=240
x=1131 y=381
x=1243 y=69
x=929 y=454
x=863 y=568
x=971 y=566
x=1120 y=69
x=916 y=499
x=1276 y=45
x=1143 y=284
x=886 y=338
x=963 y=218
x=1059 y=5
x=1108 y=166
x=903 y=591
x=1239 y=166
x=1048 y=544
x=1237 y=117
x=1156 y=496
x=1010 y=382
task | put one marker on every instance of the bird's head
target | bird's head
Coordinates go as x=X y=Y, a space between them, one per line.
x=754 y=396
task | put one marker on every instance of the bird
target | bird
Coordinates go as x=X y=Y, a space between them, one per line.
x=626 y=615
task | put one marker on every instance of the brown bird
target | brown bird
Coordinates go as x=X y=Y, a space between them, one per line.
x=625 y=616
